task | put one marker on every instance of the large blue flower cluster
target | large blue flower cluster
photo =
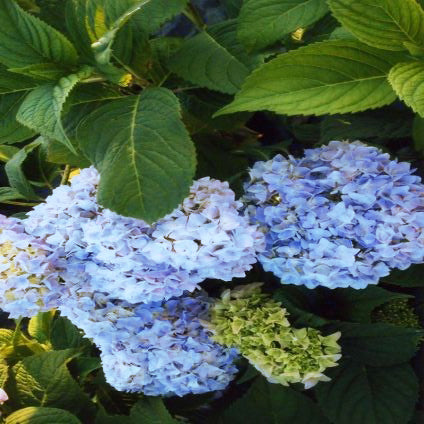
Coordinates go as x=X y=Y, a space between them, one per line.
x=159 y=348
x=343 y=215
x=128 y=283
x=205 y=237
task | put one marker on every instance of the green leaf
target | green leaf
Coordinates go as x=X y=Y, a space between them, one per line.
x=411 y=277
x=42 y=108
x=16 y=175
x=11 y=131
x=407 y=80
x=225 y=34
x=272 y=404
x=151 y=410
x=323 y=78
x=263 y=22
x=374 y=126
x=7 y=152
x=103 y=418
x=359 y=394
x=65 y=335
x=44 y=380
x=12 y=83
x=103 y=46
x=41 y=71
x=386 y=24
x=357 y=305
x=33 y=415
x=39 y=326
x=378 y=344
x=418 y=134
x=25 y=40
x=204 y=62
x=144 y=132
x=9 y=193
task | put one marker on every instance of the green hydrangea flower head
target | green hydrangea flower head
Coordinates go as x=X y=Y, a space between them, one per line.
x=257 y=326
x=397 y=312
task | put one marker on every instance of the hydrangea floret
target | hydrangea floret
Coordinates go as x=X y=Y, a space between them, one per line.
x=257 y=326
x=160 y=348
x=29 y=278
x=130 y=260
x=343 y=215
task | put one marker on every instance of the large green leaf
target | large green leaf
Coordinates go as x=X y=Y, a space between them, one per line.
x=34 y=415
x=322 y=78
x=39 y=326
x=411 y=277
x=204 y=62
x=151 y=410
x=272 y=404
x=407 y=79
x=263 y=22
x=359 y=394
x=44 y=380
x=25 y=40
x=11 y=131
x=42 y=108
x=64 y=335
x=16 y=175
x=12 y=83
x=145 y=133
x=378 y=344
x=386 y=24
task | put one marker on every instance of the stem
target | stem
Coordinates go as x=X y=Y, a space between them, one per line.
x=66 y=174
x=191 y=13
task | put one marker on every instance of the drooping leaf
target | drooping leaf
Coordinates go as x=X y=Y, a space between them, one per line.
x=386 y=24
x=359 y=394
x=204 y=62
x=151 y=410
x=144 y=132
x=273 y=404
x=407 y=79
x=7 y=152
x=11 y=131
x=378 y=344
x=323 y=78
x=39 y=326
x=25 y=40
x=44 y=380
x=16 y=175
x=34 y=415
x=9 y=193
x=64 y=335
x=263 y=22
x=42 y=108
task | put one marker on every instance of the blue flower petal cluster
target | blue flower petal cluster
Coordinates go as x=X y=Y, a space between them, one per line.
x=343 y=215
x=29 y=279
x=160 y=348
x=205 y=237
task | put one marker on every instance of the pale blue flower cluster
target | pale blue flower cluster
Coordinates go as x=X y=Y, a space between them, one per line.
x=128 y=282
x=160 y=348
x=205 y=237
x=343 y=215
x=29 y=279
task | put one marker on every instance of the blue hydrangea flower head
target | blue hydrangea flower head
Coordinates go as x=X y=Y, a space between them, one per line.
x=160 y=348
x=343 y=215
x=29 y=279
x=205 y=237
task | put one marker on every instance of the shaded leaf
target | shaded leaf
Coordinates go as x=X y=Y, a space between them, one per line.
x=33 y=415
